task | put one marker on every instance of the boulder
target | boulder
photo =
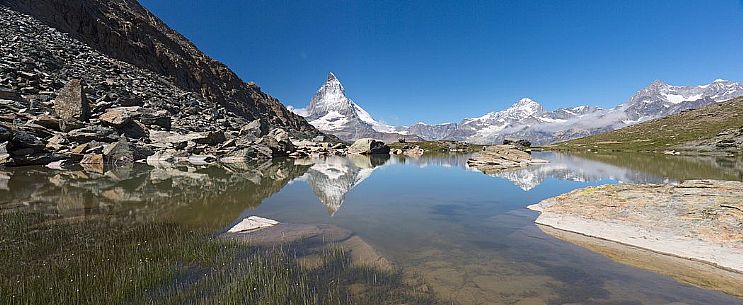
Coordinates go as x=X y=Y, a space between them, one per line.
x=5 y=133
x=116 y=117
x=134 y=130
x=118 y=152
x=72 y=105
x=256 y=128
x=92 y=133
x=7 y=94
x=4 y=155
x=36 y=158
x=252 y=152
x=56 y=142
x=47 y=121
x=368 y=146
x=278 y=141
x=160 y=157
x=414 y=151
x=157 y=118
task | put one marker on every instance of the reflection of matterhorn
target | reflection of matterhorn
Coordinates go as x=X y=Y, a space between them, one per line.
x=331 y=178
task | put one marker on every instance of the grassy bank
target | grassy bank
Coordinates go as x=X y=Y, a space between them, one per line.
x=50 y=260
x=678 y=131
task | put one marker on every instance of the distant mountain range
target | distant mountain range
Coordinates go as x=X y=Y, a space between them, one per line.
x=331 y=111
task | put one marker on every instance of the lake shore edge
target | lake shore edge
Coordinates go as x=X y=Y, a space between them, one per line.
x=682 y=220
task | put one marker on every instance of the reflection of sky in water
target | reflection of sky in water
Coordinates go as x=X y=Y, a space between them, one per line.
x=469 y=235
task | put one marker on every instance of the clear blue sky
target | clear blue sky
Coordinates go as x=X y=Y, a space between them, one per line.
x=440 y=61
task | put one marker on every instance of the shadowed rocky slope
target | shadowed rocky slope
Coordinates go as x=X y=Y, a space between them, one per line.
x=125 y=30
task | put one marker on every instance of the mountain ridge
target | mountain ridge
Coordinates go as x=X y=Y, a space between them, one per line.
x=528 y=119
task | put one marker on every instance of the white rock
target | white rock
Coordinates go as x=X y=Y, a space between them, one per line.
x=253 y=223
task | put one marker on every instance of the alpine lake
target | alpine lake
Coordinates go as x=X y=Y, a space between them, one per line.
x=447 y=234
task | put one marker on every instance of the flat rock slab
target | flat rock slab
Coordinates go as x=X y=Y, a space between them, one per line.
x=266 y=232
x=692 y=272
x=252 y=223
x=698 y=219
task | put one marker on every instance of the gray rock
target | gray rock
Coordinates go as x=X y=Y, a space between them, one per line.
x=93 y=133
x=56 y=142
x=278 y=141
x=118 y=152
x=368 y=146
x=71 y=105
x=116 y=117
x=256 y=128
x=253 y=152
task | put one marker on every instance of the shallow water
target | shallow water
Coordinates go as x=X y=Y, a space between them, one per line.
x=467 y=234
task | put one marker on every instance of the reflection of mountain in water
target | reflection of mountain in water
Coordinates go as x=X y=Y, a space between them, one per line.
x=572 y=168
x=210 y=195
x=332 y=177
x=434 y=159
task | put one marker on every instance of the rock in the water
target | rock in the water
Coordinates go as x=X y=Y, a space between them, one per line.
x=252 y=223
x=500 y=157
x=92 y=159
x=71 y=105
x=201 y=159
x=368 y=146
x=60 y=164
x=160 y=157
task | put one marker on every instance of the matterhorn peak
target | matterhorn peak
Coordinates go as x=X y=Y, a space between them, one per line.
x=331 y=76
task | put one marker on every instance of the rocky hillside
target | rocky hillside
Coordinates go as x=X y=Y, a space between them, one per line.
x=715 y=128
x=126 y=31
x=62 y=100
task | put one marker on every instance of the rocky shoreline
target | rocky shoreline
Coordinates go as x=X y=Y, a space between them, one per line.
x=698 y=220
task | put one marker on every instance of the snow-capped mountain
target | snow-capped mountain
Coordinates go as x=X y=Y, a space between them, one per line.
x=331 y=111
x=431 y=132
x=526 y=119
x=660 y=99
x=516 y=121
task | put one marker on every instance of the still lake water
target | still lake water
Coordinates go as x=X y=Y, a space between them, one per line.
x=467 y=234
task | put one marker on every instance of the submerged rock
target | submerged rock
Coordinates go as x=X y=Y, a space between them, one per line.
x=252 y=223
